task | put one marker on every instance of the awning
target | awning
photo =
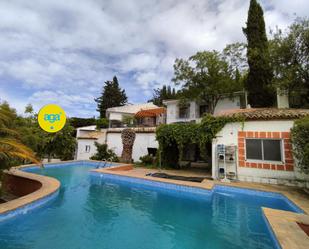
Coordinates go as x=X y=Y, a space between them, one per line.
x=150 y=112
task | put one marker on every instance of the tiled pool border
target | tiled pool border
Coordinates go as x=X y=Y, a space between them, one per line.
x=195 y=190
x=135 y=180
x=146 y=182
x=29 y=207
x=182 y=189
x=296 y=208
x=51 y=195
x=208 y=192
x=28 y=168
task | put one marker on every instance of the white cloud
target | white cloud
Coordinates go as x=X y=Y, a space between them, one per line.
x=137 y=62
x=71 y=47
x=74 y=105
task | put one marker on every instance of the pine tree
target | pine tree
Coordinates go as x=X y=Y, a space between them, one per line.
x=112 y=95
x=260 y=74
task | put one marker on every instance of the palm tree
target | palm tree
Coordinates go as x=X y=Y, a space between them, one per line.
x=11 y=148
x=128 y=138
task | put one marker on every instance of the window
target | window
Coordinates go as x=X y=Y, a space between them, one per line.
x=87 y=148
x=254 y=149
x=263 y=149
x=184 y=111
x=203 y=109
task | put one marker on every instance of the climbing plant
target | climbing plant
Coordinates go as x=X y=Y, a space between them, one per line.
x=173 y=138
x=300 y=141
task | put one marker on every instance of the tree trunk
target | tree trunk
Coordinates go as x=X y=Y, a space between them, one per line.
x=128 y=138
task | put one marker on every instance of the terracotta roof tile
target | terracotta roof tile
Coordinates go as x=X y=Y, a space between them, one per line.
x=266 y=113
x=150 y=112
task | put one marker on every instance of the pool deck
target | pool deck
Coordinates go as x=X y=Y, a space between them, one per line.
x=283 y=223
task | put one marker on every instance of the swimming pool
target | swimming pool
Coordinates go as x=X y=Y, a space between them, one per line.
x=110 y=212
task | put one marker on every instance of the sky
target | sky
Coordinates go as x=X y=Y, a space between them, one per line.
x=56 y=51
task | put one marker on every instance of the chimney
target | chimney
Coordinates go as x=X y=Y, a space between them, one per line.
x=282 y=98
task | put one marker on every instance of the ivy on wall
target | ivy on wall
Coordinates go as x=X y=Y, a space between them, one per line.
x=173 y=138
x=300 y=141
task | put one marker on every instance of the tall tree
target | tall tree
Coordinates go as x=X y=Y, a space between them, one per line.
x=290 y=58
x=61 y=144
x=235 y=55
x=164 y=93
x=112 y=95
x=260 y=93
x=205 y=77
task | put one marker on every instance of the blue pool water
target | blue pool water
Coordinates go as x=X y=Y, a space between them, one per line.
x=105 y=213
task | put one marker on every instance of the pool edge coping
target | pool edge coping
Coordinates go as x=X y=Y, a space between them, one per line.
x=208 y=185
x=285 y=229
x=276 y=219
x=287 y=238
x=50 y=187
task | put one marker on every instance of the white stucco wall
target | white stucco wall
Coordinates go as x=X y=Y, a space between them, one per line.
x=116 y=116
x=227 y=104
x=81 y=149
x=172 y=109
x=81 y=153
x=141 y=143
x=84 y=130
x=172 y=112
x=229 y=135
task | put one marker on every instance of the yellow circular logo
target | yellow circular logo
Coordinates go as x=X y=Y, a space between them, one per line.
x=51 y=118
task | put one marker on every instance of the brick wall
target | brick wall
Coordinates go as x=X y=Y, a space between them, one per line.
x=287 y=165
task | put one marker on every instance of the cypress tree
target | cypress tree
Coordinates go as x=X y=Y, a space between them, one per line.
x=112 y=95
x=260 y=75
x=164 y=93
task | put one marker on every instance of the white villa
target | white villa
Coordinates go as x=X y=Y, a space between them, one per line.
x=116 y=115
x=147 y=117
x=258 y=150
x=194 y=111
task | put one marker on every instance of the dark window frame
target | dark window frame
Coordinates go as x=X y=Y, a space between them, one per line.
x=203 y=109
x=262 y=149
x=86 y=148
x=184 y=111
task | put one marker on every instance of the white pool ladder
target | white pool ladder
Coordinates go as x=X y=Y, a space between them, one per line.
x=100 y=166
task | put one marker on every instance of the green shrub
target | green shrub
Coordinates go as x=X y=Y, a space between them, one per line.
x=170 y=155
x=300 y=141
x=147 y=159
x=80 y=122
x=103 y=153
x=101 y=123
